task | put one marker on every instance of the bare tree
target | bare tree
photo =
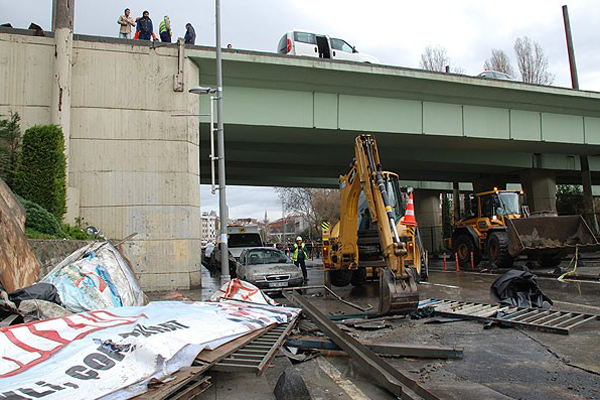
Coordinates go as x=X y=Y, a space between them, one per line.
x=532 y=62
x=436 y=59
x=499 y=61
x=314 y=205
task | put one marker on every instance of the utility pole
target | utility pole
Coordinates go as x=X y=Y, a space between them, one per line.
x=570 y=48
x=63 y=14
x=223 y=211
x=586 y=176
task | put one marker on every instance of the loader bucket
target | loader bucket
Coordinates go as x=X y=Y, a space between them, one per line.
x=397 y=296
x=550 y=236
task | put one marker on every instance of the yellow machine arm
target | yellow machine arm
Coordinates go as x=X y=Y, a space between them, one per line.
x=398 y=287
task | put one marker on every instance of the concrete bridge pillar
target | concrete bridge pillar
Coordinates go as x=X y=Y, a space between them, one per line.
x=540 y=187
x=427 y=212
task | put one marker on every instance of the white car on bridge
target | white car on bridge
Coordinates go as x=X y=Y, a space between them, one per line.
x=304 y=43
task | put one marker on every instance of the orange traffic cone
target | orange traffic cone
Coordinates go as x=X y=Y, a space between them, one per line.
x=409 y=215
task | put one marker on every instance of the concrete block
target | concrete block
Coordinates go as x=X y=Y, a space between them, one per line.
x=291 y=386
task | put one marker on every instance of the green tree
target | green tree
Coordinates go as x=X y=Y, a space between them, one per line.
x=41 y=174
x=569 y=200
x=10 y=142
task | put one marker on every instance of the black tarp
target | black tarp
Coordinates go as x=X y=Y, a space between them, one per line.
x=519 y=288
x=37 y=291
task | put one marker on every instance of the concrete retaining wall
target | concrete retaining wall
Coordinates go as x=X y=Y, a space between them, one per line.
x=51 y=252
x=133 y=167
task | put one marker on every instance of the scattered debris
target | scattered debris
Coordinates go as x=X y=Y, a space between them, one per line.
x=535 y=240
x=96 y=277
x=293 y=354
x=256 y=355
x=385 y=375
x=383 y=349
x=237 y=289
x=149 y=343
x=373 y=325
x=36 y=310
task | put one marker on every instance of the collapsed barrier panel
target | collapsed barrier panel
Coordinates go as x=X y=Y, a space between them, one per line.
x=387 y=376
x=539 y=319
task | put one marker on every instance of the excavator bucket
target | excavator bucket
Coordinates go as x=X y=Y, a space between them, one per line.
x=397 y=296
x=550 y=236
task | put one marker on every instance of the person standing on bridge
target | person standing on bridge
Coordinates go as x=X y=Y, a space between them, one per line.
x=164 y=29
x=300 y=256
x=144 y=29
x=126 y=23
x=190 y=34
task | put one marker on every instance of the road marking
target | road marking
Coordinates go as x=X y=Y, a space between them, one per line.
x=350 y=388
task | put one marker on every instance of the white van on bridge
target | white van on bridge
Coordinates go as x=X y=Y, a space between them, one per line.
x=304 y=43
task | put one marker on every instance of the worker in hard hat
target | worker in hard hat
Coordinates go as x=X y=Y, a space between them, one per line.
x=299 y=256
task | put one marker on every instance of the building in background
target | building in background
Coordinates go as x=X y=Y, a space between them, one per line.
x=209 y=226
x=286 y=229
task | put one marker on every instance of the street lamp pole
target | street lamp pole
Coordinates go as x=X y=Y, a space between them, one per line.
x=223 y=211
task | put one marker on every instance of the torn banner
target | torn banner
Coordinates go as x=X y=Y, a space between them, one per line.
x=112 y=354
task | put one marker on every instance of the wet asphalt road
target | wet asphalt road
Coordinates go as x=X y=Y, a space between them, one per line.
x=497 y=364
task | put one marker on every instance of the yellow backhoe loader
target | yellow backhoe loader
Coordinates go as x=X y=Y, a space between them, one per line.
x=370 y=238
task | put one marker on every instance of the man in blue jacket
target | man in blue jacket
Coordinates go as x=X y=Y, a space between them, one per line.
x=190 y=34
x=144 y=28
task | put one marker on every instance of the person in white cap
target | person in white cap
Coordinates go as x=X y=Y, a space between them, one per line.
x=300 y=256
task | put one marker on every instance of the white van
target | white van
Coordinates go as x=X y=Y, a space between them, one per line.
x=304 y=43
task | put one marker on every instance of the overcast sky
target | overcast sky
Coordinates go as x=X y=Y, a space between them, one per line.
x=394 y=31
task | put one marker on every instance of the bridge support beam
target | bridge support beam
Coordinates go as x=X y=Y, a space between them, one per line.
x=540 y=187
x=427 y=212
x=489 y=182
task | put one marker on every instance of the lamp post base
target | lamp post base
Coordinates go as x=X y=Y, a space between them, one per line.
x=225 y=279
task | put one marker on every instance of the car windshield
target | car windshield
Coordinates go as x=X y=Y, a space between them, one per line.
x=509 y=203
x=244 y=240
x=267 y=256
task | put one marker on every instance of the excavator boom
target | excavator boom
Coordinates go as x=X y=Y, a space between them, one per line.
x=398 y=290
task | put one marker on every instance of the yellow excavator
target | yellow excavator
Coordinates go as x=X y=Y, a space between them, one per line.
x=370 y=238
